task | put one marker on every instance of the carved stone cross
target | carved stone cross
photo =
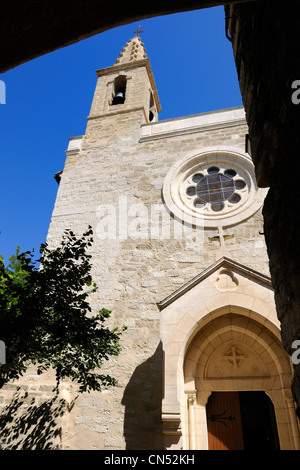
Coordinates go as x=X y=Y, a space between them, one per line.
x=234 y=357
x=221 y=236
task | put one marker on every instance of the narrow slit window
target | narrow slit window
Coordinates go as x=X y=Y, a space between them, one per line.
x=151 y=108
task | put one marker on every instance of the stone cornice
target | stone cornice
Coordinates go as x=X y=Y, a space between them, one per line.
x=191 y=124
x=119 y=111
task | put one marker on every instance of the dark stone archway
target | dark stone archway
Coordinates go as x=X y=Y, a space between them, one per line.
x=264 y=36
x=30 y=28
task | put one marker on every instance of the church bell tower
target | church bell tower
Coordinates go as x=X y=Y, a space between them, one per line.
x=127 y=86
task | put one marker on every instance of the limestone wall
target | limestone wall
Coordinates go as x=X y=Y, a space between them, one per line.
x=113 y=180
x=114 y=171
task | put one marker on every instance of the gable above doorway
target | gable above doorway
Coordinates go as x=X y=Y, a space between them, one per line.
x=224 y=276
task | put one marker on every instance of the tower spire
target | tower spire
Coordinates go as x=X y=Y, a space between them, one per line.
x=133 y=50
x=128 y=85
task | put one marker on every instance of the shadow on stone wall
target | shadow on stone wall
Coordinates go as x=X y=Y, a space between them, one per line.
x=143 y=405
x=27 y=423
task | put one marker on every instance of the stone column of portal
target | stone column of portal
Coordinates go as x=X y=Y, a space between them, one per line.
x=192 y=400
x=293 y=420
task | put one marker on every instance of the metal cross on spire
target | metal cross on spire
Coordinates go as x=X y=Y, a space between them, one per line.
x=138 y=31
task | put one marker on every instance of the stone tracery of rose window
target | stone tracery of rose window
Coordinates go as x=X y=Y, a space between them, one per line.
x=215 y=189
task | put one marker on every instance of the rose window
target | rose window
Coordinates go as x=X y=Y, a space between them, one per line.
x=212 y=188
x=216 y=189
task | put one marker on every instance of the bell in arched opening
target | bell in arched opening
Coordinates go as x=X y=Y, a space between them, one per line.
x=119 y=97
x=119 y=90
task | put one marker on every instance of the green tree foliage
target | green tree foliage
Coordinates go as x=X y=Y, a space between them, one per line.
x=46 y=319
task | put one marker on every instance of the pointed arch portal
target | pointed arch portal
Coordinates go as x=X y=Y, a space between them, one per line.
x=220 y=342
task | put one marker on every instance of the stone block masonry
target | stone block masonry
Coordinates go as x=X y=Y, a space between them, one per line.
x=113 y=178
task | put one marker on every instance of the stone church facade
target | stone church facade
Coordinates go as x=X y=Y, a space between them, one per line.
x=179 y=257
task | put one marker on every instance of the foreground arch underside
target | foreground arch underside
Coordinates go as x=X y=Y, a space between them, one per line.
x=29 y=31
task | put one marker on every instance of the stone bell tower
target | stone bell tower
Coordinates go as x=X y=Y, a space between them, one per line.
x=127 y=86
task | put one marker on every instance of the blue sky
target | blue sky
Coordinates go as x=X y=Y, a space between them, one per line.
x=48 y=100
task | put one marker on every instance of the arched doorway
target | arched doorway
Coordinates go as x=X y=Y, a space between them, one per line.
x=237 y=364
x=241 y=421
x=240 y=377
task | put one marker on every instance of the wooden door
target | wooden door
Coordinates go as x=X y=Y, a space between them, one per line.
x=224 y=421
